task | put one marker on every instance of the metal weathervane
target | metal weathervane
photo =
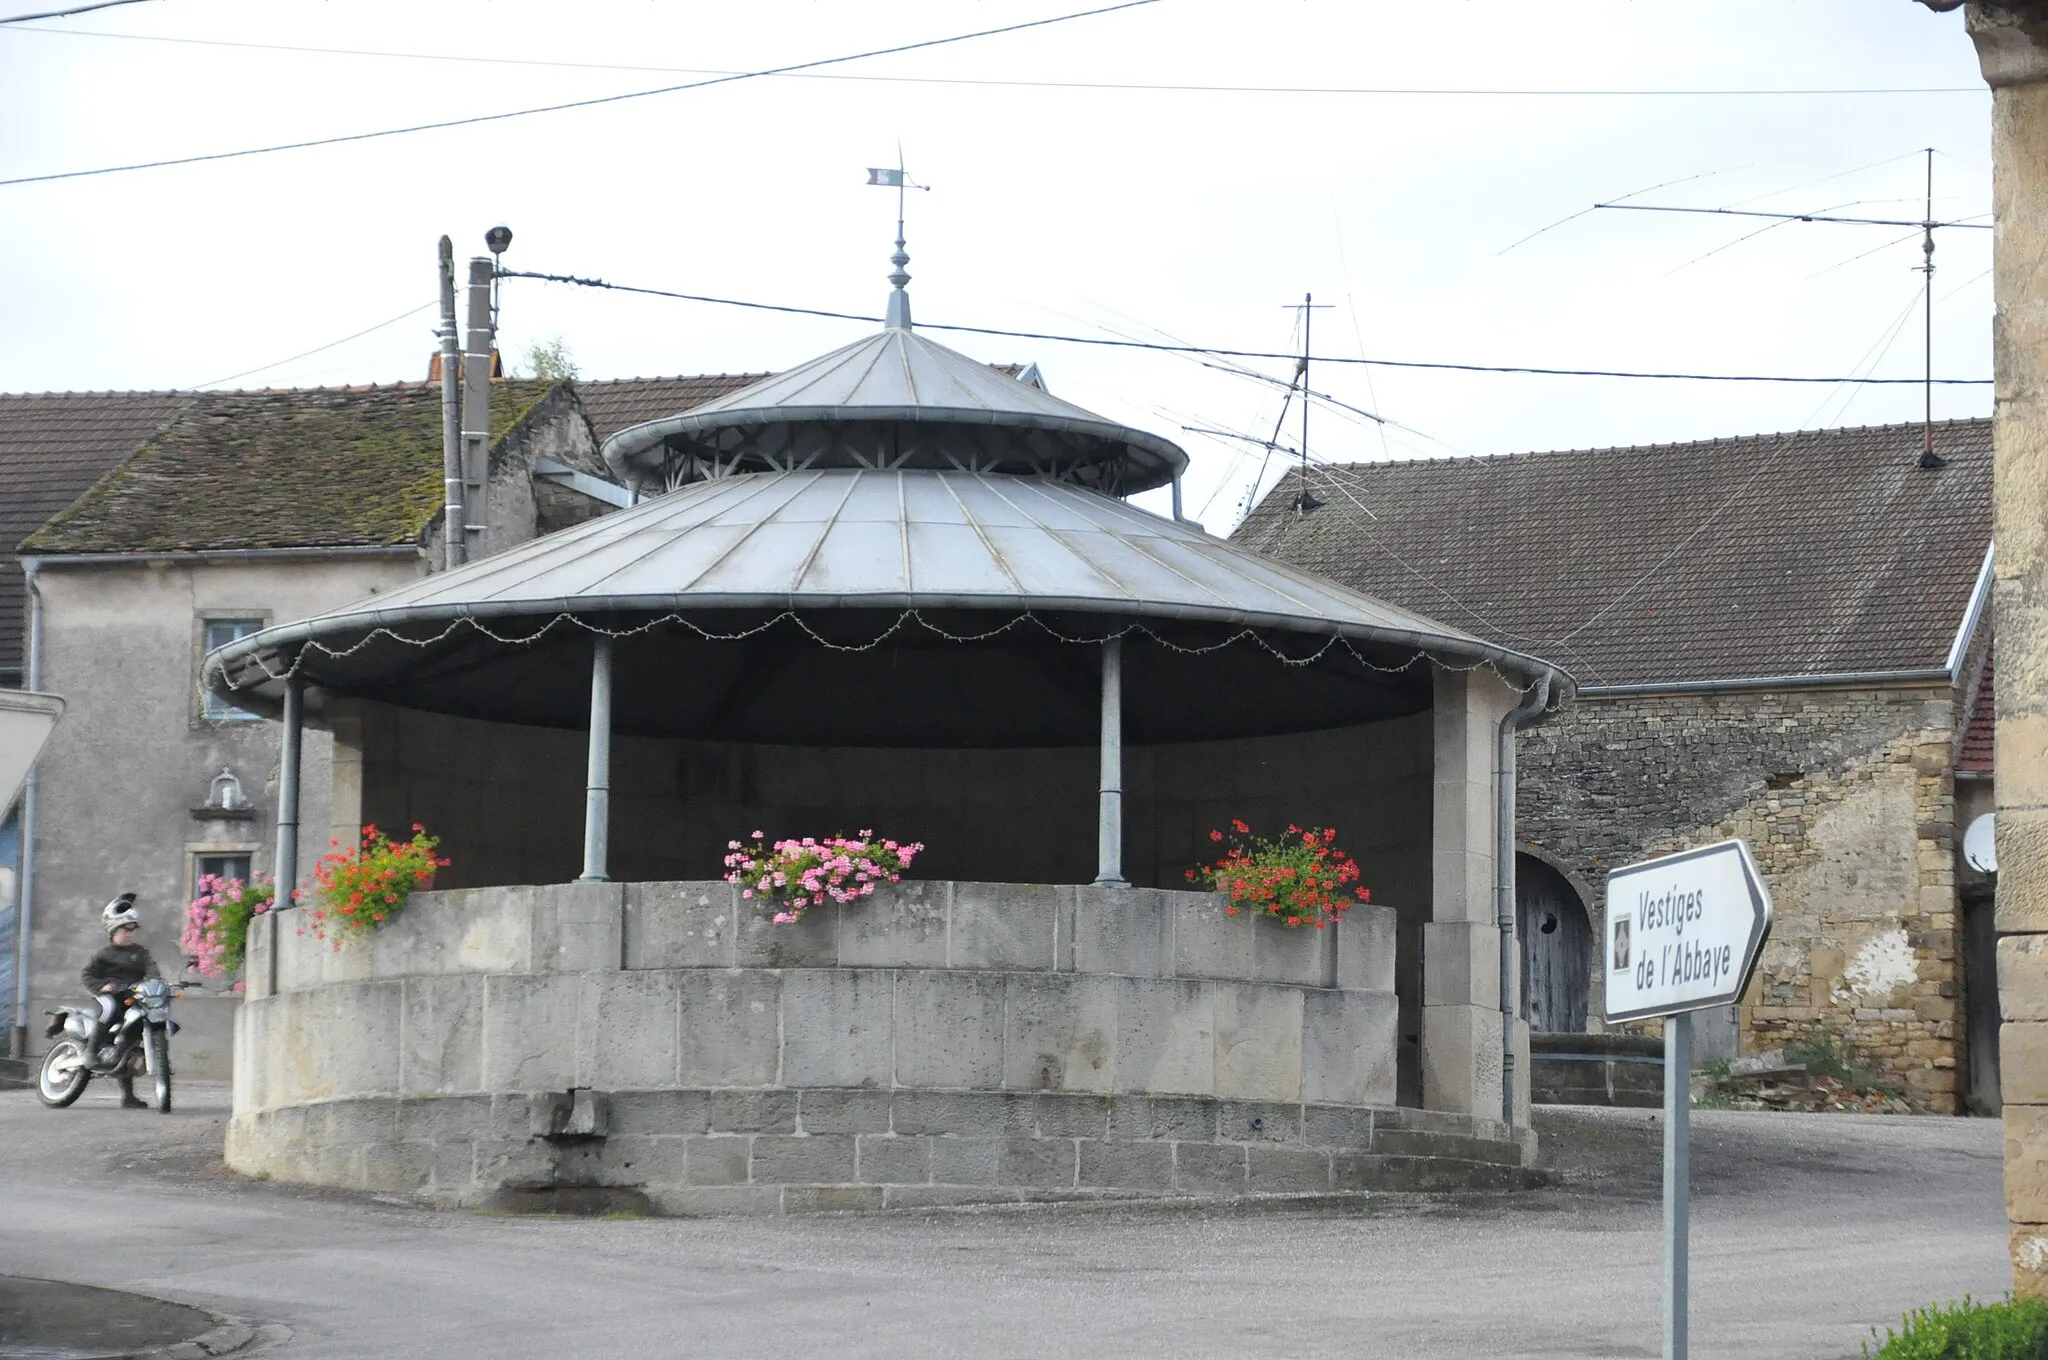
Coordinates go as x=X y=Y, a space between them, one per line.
x=898 y=179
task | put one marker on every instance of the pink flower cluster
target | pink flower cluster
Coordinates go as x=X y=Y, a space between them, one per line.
x=792 y=875
x=216 y=933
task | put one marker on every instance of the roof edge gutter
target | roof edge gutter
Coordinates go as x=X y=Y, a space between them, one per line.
x=1839 y=680
x=109 y=559
x=1980 y=596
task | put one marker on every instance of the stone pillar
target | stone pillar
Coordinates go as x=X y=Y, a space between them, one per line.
x=1461 y=1016
x=2012 y=48
x=344 y=718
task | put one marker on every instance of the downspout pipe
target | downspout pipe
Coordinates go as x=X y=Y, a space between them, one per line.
x=453 y=549
x=24 y=896
x=1520 y=716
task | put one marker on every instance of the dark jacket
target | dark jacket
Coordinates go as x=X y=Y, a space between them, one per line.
x=122 y=965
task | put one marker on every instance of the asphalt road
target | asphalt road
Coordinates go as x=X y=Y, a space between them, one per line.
x=1807 y=1229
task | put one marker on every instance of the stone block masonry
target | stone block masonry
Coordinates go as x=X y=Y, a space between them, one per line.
x=1847 y=799
x=702 y=1152
x=937 y=1043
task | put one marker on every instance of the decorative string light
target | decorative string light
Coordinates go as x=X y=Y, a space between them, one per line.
x=903 y=619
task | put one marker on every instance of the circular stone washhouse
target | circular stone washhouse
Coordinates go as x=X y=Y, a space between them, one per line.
x=891 y=588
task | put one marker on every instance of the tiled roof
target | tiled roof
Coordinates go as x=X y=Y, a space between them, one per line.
x=612 y=404
x=308 y=467
x=52 y=447
x=1975 y=757
x=1813 y=553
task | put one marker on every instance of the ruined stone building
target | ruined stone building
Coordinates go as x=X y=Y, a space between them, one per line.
x=1780 y=637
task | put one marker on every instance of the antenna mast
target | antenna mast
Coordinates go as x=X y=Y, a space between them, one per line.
x=1927 y=224
x=1308 y=307
x=1928 y=457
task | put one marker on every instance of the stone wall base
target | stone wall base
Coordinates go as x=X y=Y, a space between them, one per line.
x=1597 y=1069
x=715 y=1151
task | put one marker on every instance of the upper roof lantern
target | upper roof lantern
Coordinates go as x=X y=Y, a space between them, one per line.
x=894 y=400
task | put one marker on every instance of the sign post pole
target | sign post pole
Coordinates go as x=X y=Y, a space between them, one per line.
x=1683 y=933
x=1677 y=1177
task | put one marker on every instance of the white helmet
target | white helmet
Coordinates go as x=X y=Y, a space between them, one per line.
x=120 y=912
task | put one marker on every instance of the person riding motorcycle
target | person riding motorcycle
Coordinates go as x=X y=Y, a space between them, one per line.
x=112 y=972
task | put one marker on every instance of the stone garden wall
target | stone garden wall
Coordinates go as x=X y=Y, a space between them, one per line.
x=1846 y=797
x=663 y=1045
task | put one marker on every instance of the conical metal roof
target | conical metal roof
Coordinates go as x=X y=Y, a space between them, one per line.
x=894 y=400
x=857 y=545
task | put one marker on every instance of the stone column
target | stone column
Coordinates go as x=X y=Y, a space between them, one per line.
x=1461 y=1016
x=344 y=718
x=2012 y=48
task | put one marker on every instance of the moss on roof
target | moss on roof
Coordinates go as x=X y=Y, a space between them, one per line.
x=321 y=467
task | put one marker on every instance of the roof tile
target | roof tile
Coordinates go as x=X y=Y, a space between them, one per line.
x=1811 y=553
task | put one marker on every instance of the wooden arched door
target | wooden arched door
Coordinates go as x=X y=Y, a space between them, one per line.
x=1557 y=943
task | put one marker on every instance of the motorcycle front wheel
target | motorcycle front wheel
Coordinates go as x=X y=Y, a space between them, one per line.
x=158 y=1051
x=64 y=1074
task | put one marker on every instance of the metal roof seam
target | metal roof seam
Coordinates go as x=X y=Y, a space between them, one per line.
x=946 y=372
x=803 y=568
x=1040 y=525
x=902 y=530
x=773 y=481
x=980 y=533
x=1135 y=543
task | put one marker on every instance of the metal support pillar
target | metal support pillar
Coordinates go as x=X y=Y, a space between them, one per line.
x=287 y=865
x=288 y=789
x=597 y=791
x=1109 y=872
x=1677 y=1178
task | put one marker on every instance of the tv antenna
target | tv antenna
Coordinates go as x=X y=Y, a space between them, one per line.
x=1308 y=307
x=1927 y=225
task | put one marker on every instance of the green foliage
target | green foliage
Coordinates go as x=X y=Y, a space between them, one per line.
x=550 y=360
x=2010 y=1330
x=1822 y=1056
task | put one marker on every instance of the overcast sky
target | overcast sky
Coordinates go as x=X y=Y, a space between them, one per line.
x=1059 y=204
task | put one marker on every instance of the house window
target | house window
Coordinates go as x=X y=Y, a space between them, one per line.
x=220 y=865
x=219 y=633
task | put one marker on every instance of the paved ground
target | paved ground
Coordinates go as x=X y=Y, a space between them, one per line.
x=45 y=1318
x=1807 y=1229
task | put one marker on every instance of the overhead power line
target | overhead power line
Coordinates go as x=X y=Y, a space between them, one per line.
x=1158 y=87
x=317 y=349
x=581 y=103
x=1236 y=353
x=65 y=13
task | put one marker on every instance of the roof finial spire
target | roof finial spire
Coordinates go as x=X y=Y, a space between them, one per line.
x=898 y=315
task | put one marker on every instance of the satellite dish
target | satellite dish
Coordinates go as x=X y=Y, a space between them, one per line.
x=1980 y=846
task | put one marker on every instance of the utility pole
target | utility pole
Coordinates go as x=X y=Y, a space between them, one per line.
x=1308 y=307
x=452 y=474
x=476 y=411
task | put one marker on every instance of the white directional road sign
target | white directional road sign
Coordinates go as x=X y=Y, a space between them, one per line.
x=1683 y=931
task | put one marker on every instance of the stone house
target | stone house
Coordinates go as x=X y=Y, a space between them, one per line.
x=1780 y=637
x=153 y=526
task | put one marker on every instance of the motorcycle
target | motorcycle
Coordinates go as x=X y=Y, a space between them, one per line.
x=139 y=1045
